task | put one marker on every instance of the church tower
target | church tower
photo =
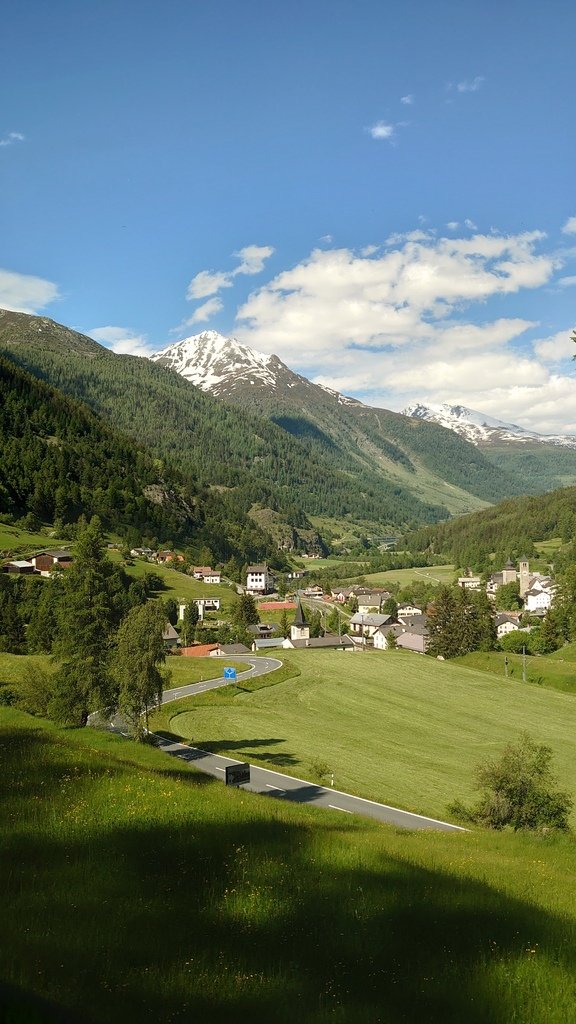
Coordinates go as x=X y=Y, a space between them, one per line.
x=524 y=577
x=299 y=630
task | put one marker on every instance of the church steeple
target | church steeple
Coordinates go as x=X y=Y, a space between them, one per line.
x=299 y=630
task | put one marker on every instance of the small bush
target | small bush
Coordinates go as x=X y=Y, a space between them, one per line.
x=518 y=791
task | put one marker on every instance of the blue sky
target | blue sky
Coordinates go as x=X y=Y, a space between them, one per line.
x=382 y=193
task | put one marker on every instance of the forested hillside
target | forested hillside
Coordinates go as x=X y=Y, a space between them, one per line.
x=509 y=528
x=216 y=443
x=58 y=461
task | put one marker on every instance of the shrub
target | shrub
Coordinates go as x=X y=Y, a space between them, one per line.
x=518 y=790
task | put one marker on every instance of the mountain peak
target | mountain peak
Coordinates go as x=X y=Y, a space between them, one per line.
x=212 y=362
x=479 y=428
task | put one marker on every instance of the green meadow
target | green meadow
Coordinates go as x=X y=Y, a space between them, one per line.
x=557 y=670
x=391 y=726
x=404 y=577
x=139 y=890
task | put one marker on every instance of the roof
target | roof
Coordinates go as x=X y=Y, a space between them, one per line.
x=412 y=642
x=257 y=568
x=169 y=633
x=394 y=627
x=324 y=641
x=261 y=644
x=233 y=649
x=299 y=619
x=199 y=650
x=21 y=563
x=369 y=620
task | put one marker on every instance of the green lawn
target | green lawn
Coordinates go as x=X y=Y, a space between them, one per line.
x=392 y=726
x=403 y=577
x=138 y=890
x=556 y=670
x=16 y=542
x=177 y=584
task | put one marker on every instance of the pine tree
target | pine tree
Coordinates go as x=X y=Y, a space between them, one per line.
x=136 y=664
x=87 y=618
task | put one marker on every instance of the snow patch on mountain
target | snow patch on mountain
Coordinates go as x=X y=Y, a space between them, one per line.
x=210 y=361
x=479 y=428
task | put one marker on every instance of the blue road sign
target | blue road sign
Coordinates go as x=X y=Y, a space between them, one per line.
x=229 y=673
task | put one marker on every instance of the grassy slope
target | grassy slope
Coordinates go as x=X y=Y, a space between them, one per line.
x=429 y=574
x=392 y=726
x=557 y=670
x=141 y=891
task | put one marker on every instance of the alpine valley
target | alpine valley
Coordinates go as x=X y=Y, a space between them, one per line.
x=273 y=459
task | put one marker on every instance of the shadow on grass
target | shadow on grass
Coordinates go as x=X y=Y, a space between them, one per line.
x=224 y=917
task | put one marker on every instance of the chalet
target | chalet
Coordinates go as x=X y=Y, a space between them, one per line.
x=366 y=625
x=46 y=561
x=313 y=591
x=506 y=623
x=381 y=635
x=408 y=610
x=206 y=574
x=141 y=552
x=21 y=566
x=170 y=636
x=259 y=579
x=371 y=601
x=163 y=557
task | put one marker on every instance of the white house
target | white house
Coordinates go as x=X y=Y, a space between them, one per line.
x=505 y=624
x=259 y=579
x=538 y=600
x=409 y=610
x=381 y=635
x=366 y=625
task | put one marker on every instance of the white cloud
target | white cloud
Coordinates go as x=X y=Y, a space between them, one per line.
x=122 y=340
x=382 y=130
x=569 y=228
x=566 y=282
x=326 y=239
x=453 y=225
x=555 y=348
x=24 y=293
x=204 y=312
x=471 y=85
x=399 y=323
x=407 y=100
x=470 y=225
x=253 y=258
x=11 y=138
x=207 y=282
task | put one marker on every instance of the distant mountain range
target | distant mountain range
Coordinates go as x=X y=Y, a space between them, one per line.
x=273 y=457
x=514 y=460
x=481 y=429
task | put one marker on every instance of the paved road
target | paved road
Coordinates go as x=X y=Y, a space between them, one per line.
x=286 y=787
x=260 y=667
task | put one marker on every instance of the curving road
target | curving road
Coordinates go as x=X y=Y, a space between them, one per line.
x=286 y=787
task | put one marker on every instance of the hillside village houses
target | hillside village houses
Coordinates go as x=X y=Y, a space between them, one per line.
x=259 y=580
x=536 y=590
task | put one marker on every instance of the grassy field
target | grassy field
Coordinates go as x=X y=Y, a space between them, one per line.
x=556 y=670
x=139 y=890
x=403 y=577
x=392 y=726
x=16 y=542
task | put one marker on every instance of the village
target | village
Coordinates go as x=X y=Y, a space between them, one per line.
x=367 y=617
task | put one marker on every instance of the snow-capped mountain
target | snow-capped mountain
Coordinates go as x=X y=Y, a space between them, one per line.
x=226 y=368
x=481 y=429
x=218 y=364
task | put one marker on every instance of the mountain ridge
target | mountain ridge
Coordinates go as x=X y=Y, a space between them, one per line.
x=479 y=428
